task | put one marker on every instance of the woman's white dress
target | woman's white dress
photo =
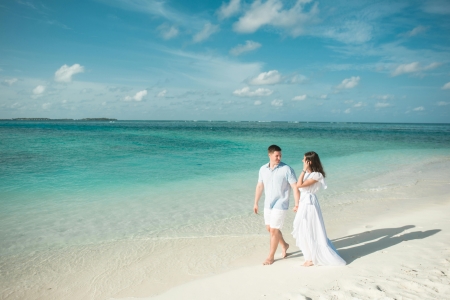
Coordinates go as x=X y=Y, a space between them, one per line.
x=309 y=229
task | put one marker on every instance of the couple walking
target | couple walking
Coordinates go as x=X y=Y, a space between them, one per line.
x=276 y=179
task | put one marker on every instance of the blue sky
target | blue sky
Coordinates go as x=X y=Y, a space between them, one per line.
x=344 y=61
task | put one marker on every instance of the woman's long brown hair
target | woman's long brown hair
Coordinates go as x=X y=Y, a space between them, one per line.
x=316 y=165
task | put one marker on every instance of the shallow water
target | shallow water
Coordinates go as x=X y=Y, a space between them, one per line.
x=74 y=183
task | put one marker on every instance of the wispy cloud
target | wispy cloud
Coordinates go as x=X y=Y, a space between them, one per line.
x=247 y=47
x=420 y=108
x=11 y=81
x=212 y=70
x=446 y=86
x=417 y=30
x=413 y=67
x=442 y=103
x=440 y=7
x=266 y=78
x=65 y=73
x=228 y=10
x=296 y=79
x=205 y=33
x=382 y=105
x=349 y=83
x=246 y=92
x=272 y=13
x=351 y=32
x=257 y=102
x=167 y=31
x=157 y=8
x=384 y=97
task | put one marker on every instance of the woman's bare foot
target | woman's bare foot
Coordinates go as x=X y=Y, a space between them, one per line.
x=268 y=261
x=284 y=250
x=308 y=263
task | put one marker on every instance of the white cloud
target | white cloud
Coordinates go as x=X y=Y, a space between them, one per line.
x=382 y=105
x=138 y=97
x=39 y=90
x=168 y=32
x=347 y=111
x=349 y=83
x=277 y=102
x=417 y=30
x=65 y=73
x=351 y=32
x=11 y=81
x=271 y=77
x=413 y=67
x=420 y=108
x=46 y=105
x=359 y=104
x=249 y=46
x=271 y=13
x=162 y=93
x=227 y=10
x=206 y=32
x=446 y=86
x=257 y=102
x=298 y=79
x=324 y=96
x=299 y=98
x=384 y=97
x=246 y=92
x=443 y=103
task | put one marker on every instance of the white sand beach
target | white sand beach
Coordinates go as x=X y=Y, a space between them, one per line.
x=396 y=248
x=396 y=245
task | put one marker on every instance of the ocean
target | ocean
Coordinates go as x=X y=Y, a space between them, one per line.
x=68 y=183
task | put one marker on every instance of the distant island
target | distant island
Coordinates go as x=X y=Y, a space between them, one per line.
x=48 y=119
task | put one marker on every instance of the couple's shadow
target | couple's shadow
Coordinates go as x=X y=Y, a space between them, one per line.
x=354 y=246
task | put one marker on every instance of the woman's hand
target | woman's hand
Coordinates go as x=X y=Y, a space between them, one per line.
x=295 y=208
x=306 y=165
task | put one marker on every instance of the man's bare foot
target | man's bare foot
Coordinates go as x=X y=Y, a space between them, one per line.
x=268 y=261
x=308 y=263
x=284 y=250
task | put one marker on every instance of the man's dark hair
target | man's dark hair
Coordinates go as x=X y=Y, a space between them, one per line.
x=273 y=148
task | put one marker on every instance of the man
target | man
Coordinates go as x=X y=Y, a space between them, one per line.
x=276 y=179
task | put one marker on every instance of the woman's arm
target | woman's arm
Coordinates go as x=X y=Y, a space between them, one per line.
x=307 y=182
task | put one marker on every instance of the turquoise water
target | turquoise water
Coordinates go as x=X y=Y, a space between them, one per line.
x=65 y=183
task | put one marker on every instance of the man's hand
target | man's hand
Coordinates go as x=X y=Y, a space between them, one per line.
x=258 y=193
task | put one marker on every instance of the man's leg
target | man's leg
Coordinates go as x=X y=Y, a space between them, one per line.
x=276 y=237
x=276 y=219
x=284 y=245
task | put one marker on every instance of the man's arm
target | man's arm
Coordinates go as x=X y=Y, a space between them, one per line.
x=296 y=195
x=258 y=193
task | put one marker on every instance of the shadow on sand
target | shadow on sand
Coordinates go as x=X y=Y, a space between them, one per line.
x=354 y=246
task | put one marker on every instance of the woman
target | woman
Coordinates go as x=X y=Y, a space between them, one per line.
x=309 y=229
